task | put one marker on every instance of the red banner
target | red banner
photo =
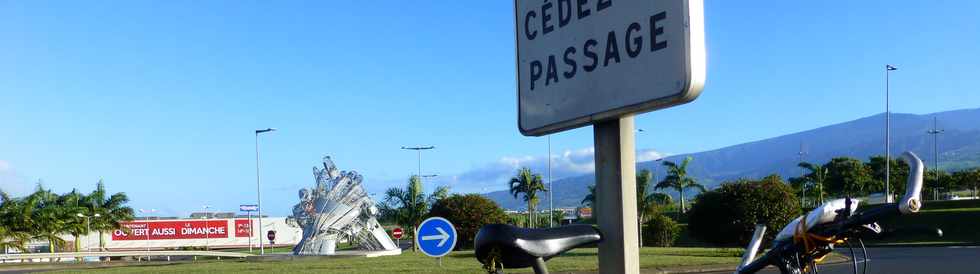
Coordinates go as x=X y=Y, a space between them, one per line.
x=169 y=230
x=243 y=228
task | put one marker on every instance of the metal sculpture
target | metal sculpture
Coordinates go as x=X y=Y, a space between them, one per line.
x=337 y=208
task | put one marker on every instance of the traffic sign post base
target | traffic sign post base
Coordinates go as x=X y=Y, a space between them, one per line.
x=615 y=166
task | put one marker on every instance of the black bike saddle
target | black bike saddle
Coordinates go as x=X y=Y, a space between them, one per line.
x=520 y=247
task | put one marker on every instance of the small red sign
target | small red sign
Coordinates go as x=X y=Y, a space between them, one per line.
x=271 y=235
x=243 y=228
x=397 y=233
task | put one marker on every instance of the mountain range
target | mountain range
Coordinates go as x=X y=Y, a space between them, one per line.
x=959 y=148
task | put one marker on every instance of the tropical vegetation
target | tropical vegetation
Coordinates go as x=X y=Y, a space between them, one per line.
x=850 y=177
x=647 y=203
x=677 y=179
x=409 y=206
x=47 y=216
x=527 y=185
x=728 y=215
x=661 y=231
x=468 y=213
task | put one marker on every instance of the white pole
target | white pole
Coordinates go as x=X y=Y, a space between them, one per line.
x=888 y=196
x=551 y=189
x=615 y=161
x=207 y=230
x=147 y=222
x=258 y=187
x=88 y=230
x=258 y=193
x=250 y=231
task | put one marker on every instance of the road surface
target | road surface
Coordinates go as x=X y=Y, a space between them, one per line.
x=911 y=260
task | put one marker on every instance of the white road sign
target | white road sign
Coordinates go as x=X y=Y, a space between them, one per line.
x=580 y=61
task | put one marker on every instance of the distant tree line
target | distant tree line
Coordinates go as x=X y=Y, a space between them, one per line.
x=850 y=177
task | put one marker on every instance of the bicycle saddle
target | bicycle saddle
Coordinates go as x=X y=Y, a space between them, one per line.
x=521 y=247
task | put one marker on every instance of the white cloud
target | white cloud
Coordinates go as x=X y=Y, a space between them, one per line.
x=10 y=181
x=568 y=163
x=649 y=155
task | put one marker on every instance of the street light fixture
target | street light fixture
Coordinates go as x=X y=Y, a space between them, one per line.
x=888 y=196
x=88 y=226
x=145 y=211
x=418 y=149
x=207 y=230
x=258 y=187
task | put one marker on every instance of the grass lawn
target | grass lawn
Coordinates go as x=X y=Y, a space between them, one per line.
x=458 y=262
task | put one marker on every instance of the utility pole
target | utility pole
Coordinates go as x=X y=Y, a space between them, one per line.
x=935 y=146
x=417 y=149
x=888 y=196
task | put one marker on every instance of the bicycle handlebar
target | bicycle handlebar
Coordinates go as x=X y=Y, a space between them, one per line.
x=910 y=203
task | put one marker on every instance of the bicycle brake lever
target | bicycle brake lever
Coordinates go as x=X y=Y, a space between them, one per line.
x=870 y=229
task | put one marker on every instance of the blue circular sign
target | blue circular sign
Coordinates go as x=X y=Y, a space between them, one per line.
x=436 y=237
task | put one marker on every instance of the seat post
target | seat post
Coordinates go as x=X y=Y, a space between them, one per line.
x=539 y=266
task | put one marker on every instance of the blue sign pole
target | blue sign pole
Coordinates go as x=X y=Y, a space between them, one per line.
x=436 y=237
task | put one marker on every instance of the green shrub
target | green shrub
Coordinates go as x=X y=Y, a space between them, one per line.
x=468 y=213
x=661 y=231
x=728 y=215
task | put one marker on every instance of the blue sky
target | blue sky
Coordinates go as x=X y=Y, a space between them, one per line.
x=160 y=98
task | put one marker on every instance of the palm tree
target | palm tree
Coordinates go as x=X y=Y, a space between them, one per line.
x=72 y=204
x=589 y=199
x=16 y=215
x=528 y=184
x=646 y=203
x=10 y=237
x=817 y=176
x=678 y=179
x=112 y=210
x=409 y=206
x=47 y=222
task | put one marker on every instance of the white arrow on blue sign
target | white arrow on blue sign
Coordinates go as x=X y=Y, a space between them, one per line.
x=437 y=237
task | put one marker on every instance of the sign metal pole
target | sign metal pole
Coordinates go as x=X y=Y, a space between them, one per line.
x=615 y=162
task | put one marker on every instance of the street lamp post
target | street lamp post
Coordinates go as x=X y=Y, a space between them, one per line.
x=802 y=180
x=258 y=188
x=418 y=150
x=551 y=189
x=145 y=211
x=88 y=226
x=207 y=230
x=935 y=146
x=888 y=196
